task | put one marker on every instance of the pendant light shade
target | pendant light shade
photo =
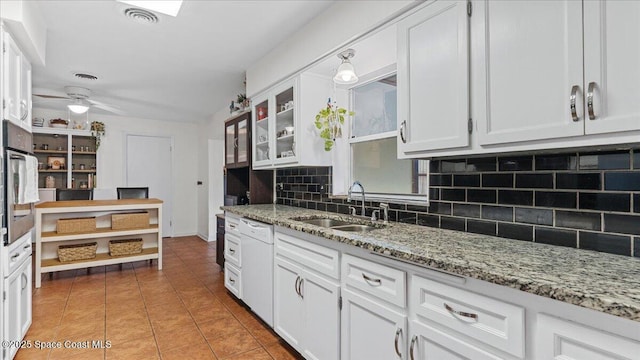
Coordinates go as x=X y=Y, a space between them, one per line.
x=346 y=74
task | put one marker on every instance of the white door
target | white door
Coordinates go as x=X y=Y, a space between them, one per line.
x=322 y=317
x=288 y=320
x=611 y=58
x=11 y=310
x=149 y=163
x=428 y=343
x=433 y=78
x=11 y=79
x=371 y=330
x=527 y=62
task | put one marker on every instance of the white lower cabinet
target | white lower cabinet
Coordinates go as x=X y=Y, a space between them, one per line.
x=306 y=302
x=17 y=307
x=561 y=339
x=371 y=330
x=428 y=343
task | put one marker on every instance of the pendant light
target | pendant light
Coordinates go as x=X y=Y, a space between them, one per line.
x=346 y=74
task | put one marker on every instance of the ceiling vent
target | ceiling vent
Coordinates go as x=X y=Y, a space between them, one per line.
x=141 y=15
x=84 y=76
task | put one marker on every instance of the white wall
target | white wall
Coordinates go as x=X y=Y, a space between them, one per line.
x=336 y=26
x=210 y=166
x=111 y=160
x=26 y=24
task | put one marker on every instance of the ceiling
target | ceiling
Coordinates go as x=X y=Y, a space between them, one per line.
x=180 y=69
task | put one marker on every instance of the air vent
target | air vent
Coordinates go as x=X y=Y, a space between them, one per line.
x=85 y=76
x=141 y=15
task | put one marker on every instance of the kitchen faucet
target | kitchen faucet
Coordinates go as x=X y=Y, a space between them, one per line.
x=349 y=195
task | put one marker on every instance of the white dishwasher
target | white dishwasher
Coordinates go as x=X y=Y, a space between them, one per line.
x=257 y=267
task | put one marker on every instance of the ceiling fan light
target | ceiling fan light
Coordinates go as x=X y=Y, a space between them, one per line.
x=78 y=108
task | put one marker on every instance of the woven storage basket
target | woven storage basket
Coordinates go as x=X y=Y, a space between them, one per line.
x=76 y=225
x=125 y=221
x=125 y=247
x=77 y=252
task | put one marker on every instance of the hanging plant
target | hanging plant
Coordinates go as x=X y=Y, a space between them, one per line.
x=329 y=121
x=97 y=131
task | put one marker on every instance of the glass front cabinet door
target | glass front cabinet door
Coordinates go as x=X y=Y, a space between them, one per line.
x=237 y=141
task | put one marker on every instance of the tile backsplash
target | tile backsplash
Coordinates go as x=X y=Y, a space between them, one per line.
x=587 y=200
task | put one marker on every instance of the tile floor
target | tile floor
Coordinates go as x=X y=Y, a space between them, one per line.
x=180 y=312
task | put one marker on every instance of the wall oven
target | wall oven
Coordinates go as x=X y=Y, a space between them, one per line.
x=20 y=192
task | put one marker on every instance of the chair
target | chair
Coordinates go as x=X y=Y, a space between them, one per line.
x=133 y=192
x=73 y=194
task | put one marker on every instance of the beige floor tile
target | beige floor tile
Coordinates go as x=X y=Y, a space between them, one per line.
x=282 y=351
x=223 y=327
x=178 y=336
x=143 y=348
x=190 y=352
x=233 y=344
x=256 y=354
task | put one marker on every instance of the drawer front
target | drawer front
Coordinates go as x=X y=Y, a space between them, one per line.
x=258 y=230
x=232 y=249
x=560 y=339
x=314 y=257
x=375 y=279
x=428 y=343
x=495 y=323
x=233 y=280
x=232 y=224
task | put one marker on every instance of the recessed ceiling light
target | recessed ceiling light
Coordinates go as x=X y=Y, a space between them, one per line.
x=168 y=7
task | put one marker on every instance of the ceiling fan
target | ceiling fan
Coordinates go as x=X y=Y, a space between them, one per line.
x=79 y=100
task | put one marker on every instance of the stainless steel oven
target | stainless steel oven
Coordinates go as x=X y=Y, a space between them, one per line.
x=19 y=215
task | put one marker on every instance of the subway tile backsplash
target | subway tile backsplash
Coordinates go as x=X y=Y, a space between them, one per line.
x=587 y=200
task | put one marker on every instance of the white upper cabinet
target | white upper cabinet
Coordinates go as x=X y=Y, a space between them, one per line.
x=611 y=71
x=284 y=133
x=16 y=84
x=433 y=78
x=529 y=57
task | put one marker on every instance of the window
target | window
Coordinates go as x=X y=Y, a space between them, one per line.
x=373 y=143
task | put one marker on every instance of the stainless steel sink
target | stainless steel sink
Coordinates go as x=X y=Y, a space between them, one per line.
x=325 y=222
x=354 y=228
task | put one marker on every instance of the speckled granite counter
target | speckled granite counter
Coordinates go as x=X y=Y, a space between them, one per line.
x=599 y=281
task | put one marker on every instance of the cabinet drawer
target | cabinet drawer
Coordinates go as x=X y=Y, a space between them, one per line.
x=428 y=343
x=375 y=279
x=490 y=321
x=314 y=257
x=561 y=339
x=257 y=230
x=233 y=280
x=232 y=249
x=231 y=224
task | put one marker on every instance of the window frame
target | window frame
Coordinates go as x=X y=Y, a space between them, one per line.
x=419 y=199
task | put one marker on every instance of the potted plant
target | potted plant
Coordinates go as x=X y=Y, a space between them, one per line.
x=97 y=131
x=242 y=102
x=329 y=121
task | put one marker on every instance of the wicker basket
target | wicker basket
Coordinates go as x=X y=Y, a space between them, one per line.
x=76 y=225
x=125 y=247
x=68 y=253
x=126 y=221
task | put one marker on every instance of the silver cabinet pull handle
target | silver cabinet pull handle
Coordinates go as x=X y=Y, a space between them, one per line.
x=572 y=102
x=232 y=281
x=461 y=313
x=398 y=333
x=402 y=127
x=233 y=251
x=413 y=343
x=590 y=89
x=296 y=285
x=300 y=288
x=232 y=226
x=376 y=282
x=26 y=281
x=23 y=110
x=14 y=257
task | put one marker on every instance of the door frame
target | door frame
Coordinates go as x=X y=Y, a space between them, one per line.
x=126 y=134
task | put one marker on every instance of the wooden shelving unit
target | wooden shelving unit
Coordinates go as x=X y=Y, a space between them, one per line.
x=48 y=240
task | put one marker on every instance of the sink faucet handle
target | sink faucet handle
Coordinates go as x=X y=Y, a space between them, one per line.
x=385 y=209
x=375 y=215
x=352 y=210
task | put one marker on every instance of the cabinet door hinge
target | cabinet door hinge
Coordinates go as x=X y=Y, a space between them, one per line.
x=470 y=126
x=469 y=8
x=340 y=303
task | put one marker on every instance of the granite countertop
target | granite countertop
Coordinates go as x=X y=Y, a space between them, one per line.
x=594 y=280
